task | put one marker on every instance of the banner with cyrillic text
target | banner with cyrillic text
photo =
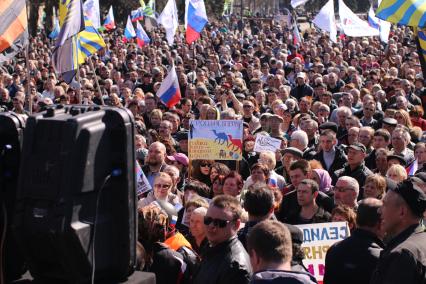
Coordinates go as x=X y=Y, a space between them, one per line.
x=266 y=143
x=215 y=140
x=317 y=239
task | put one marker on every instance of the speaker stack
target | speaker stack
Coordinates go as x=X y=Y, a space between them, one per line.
x=74 y=214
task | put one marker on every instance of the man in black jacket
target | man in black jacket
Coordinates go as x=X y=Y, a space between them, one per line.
x=331 y=157
x=270 y=248
x=404 y=258
x=354 y=259
x=226 y=260
x=355 y=167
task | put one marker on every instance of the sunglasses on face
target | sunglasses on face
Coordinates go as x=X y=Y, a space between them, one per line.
x=163 y=186
x=216 y=222
x=204 y=165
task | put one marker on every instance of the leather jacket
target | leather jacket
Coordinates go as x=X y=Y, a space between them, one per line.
x=227 y=262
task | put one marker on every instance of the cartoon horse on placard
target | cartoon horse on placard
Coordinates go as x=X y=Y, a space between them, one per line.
x=236 y=144
x=221 y=137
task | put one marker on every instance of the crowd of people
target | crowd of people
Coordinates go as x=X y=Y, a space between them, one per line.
x=350 y=117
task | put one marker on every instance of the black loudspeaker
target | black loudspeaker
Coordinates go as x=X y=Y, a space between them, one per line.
x=11 y=133
x=76 y=201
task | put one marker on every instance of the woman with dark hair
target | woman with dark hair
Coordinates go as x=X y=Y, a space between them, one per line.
x=259 y=174
x=343 y=213
x=217 y=185
x=201 y=171
x=233 y=184
x=218 y=169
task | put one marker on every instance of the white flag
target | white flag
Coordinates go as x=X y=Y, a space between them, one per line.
x=169 y=20
x=352 y=25
x=295 y=3
x=91 y=9
x=326 y=21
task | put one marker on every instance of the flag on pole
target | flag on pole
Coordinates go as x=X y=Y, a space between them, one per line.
x=169 y=92
x=65 y=54
x=376 y=23
x=148 y=9
x=352 y=25
x=109 y=23
x=297 y=39
x=91 y=10
x=295 y=3
x=129 y=31
x=404 y=12
x=90 y=41
x=326 y=21
x=13 y=27
x=141 y=36
x=195 y=19
x=169 y=20
x=373 y=21
x=65 y=59
x=56 y=28
x=73 y=21
x=136 y=15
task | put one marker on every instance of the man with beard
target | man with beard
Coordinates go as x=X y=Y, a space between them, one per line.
x=154 y=161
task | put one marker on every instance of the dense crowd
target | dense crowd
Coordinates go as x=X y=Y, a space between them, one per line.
x=350 y=116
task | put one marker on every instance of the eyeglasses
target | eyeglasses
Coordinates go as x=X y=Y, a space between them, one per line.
x=163 y=186
x=342 y=189
x=204 y=165
x=216 y=222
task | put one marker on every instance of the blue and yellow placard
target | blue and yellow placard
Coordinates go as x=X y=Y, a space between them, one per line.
x=215 y=140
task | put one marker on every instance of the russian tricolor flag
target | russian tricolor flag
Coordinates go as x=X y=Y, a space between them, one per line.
x=109 y=21
x=195 y=19
x=373 y=21
x=137 y=15
x=297 y=39
x=129 y=31
x=169 y=92
x=141 y=36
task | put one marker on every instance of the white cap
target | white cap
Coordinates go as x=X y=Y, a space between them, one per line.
x=301 y=75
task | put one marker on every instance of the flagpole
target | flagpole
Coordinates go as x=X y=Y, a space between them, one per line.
x=193 y=60
x=27 y=62
x=96 y=80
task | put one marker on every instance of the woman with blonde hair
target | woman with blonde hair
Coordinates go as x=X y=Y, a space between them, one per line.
x=397 y=173
x=375 y=186
x=403 y=118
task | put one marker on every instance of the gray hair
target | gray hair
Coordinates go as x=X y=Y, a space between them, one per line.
x=353 y=183
x=300 y=136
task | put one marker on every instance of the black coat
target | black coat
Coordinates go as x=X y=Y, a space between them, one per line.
x=282 y=276
x=404 y=259
x=352 y=260
x=167 y=264
x=360 y=174
x=339 y=160
x=302 y=91
x=227 y=262
x=289 y=206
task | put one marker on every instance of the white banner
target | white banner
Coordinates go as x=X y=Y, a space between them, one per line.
x=352 y=25
x=266 y=143
x=317 y=239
